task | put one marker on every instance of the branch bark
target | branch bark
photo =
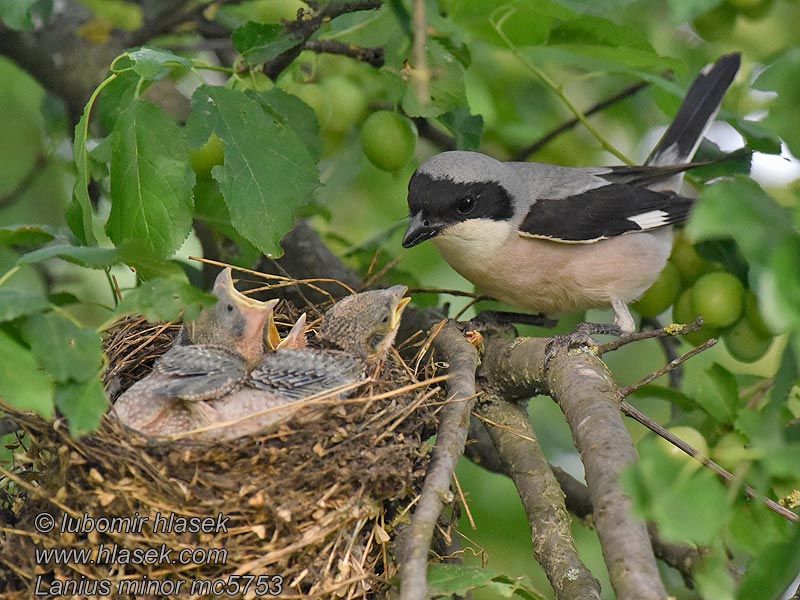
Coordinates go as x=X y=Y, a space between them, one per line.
x=462 y=361
x=551 y=532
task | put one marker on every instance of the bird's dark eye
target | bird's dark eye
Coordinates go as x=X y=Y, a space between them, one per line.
x=466 y=205
x=385 y=319
x=229 y=308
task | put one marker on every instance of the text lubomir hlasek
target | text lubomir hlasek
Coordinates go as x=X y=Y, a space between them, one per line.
x=161 y=523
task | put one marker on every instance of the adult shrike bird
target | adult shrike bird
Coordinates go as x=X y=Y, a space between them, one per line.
x=553 y=239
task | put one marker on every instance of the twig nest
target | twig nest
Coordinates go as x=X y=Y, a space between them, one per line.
x=309 y=510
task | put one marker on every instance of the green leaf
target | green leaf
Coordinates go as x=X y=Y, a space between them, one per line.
x=22 y=383
x=659 y=486
x=268 y=172
x=22 y=14
x=117 y=97
x=68 y=352
x=466 y=128
x=686 y=11
x=154 y=63
x=447 y=91
x=595 y=31
x=756 y=137
x=163 y=299
x=772 y=571
x=14 y=304
x=289 y=110
x=62 y=298
x=147 y=266
x=79 y=212
x=83 y=404
x=211 y=209
x=740 y=209
x=779 y=286
x=151 y=181
x=261 y=42
x=727 y=254
x=781 y=77
x=669 y=394
x=594 y=57
x=718 y=394
x=26 y=235
x=85 y=256
x=451 y=579
x=527 y=23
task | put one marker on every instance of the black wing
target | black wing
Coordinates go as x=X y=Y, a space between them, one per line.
x=604 y=212
x=302 y=373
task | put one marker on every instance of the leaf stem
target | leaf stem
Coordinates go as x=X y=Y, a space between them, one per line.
x=9 y=274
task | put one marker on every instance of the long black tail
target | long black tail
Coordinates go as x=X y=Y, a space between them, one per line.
x=698 y=110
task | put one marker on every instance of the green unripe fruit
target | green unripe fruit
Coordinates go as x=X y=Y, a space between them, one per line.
x=313 y=95
x=389 y=140
x=207 y=157
x=731 y=451
x=345 y=101
x=754 y=316
x=689 y=263
x=662 y=294
x=273 y=11
x=691 y=436
x=719 y=298
x=685 y=314
x=744 y=343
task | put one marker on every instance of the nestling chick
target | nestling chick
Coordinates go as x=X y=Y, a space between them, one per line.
x=225 y=341
x=555 y=240
x=356 y=333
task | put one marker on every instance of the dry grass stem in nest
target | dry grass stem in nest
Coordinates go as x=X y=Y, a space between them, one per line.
x=317 y=502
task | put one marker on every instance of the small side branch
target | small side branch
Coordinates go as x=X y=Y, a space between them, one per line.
x=631 y=411
x=551 y=533
x=462 y=359
x=307 y=25
x=548 y=137
x=371 y=56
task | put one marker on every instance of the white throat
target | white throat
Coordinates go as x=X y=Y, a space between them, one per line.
x=472 y=244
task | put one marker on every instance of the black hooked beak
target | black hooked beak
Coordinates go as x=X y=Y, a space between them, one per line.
x=420 y=229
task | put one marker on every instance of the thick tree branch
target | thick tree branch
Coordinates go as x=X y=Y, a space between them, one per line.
x=462 y=358
x=585 y=391
x=61 y=59
x=587 y=394
x=551 y=533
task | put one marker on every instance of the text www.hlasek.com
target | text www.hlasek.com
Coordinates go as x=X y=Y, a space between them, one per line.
x=113 y=553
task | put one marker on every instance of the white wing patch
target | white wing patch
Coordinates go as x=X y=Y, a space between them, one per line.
x=650 y=219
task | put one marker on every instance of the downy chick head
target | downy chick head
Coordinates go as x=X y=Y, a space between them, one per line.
x=236 y=321
x=463 y=195
x=365 y=324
